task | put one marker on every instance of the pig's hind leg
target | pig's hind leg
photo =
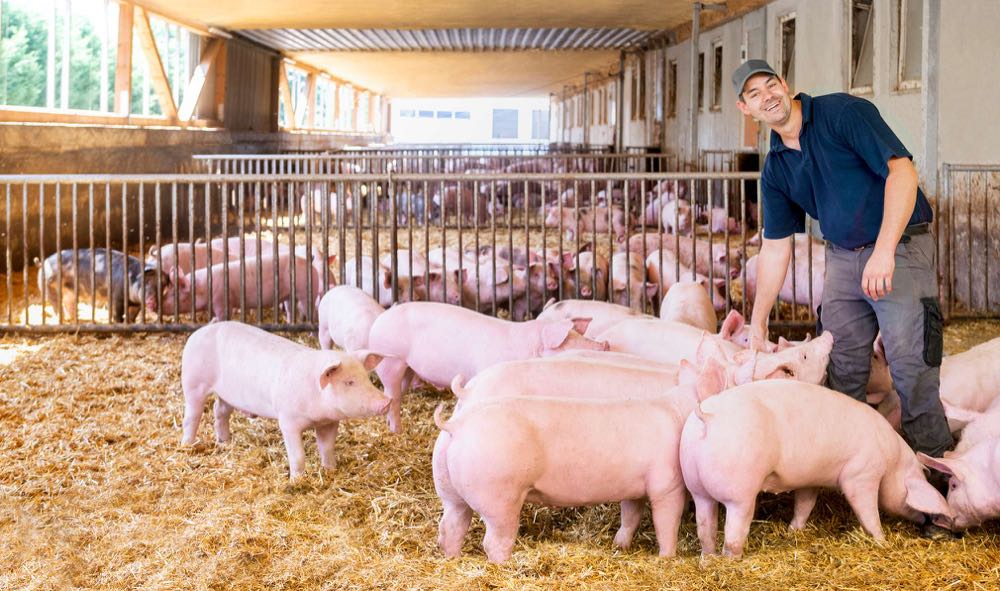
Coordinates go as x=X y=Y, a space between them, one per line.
x=668 y=508
x=195 y=394
x=739 y=514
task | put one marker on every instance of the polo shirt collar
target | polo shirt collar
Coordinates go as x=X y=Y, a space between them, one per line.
x=776 y=144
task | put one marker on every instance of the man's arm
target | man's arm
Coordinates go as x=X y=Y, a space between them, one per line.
x=772 y=266
x=900 y=197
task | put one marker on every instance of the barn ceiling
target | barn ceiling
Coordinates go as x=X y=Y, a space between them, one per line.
x=425 y=48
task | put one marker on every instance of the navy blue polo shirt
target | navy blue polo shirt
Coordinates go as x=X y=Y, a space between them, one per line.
x=839 y=175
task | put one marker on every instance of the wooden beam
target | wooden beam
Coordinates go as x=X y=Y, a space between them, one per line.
x=311 y=101
x=286 y=95
x=159 y=78
x=123 y=66
x=77 y=117
x=220 y=82
x=192 y=94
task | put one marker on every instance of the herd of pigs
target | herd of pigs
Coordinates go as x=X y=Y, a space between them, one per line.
x=593 y=402
x=206 y=277
x=569 y=403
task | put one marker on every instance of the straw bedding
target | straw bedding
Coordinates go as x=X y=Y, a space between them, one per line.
x=96 y=493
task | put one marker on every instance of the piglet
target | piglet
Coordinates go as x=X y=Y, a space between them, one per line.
x=264 y=375
x=437 y=341
x=781 y=435
x=688 y=302
x=346 y=315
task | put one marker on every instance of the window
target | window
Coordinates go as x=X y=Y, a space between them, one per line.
x=297 y=85
x=672 y=89
x=908 y=39
x=407 y=113
x=701 y=81
x=862 y=52
x=504 y=124
x=539 y=124
x=444 y=114
x=641 y=66
x=461 y=115
x=613 y=104
x=426 y=114
x=658 y=85
x=717 y=77
x=787 y=66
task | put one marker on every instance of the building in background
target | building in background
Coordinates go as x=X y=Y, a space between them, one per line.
x=474 y=120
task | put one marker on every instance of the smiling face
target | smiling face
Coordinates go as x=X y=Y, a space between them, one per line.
x=766 y=98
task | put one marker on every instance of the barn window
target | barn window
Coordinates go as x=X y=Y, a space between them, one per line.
x=717 y=76
x=461 y=114
x=658 y=86
x=908 y=40
x=672 y=89
x=426 y=114
x=787 y=65
x=504 y=124
x=539 y=124
x=862 y=17
x=407 y=113
x=641 y=68
x=444 y=114
x=701 y=81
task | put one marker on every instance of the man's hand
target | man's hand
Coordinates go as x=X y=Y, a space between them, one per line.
x=758 y=338
x=876 y=280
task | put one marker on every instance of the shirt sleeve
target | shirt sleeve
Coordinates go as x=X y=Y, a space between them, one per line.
x=862 y=128
x=782 y=216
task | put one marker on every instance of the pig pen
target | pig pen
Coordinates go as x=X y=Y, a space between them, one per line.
x=98 y=494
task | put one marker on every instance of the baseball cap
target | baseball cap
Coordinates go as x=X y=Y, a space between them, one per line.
x=748 y=69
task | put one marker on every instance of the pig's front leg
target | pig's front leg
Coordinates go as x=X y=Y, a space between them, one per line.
x=326 y=436
x=222 y=412
x=862 y=495
x=631 y=515
x=391 y=372
x=292 y=434
x=805 y=500
x=667 y=511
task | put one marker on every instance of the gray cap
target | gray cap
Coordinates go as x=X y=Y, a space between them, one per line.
x=748 y=69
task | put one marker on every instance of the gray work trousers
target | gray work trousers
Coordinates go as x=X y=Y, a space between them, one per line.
x=911 y=323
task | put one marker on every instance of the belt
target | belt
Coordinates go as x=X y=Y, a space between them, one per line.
x=908 y=232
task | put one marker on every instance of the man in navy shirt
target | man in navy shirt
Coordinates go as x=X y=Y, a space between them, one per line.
x=834 y=158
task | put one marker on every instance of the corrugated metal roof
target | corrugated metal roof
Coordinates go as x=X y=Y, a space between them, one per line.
x=445 y=39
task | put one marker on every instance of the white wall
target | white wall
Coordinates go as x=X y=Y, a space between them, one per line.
x=477 y=129
x=969 y=115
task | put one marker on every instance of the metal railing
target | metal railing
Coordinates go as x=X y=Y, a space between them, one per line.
x=967 y=223
x=270 y=250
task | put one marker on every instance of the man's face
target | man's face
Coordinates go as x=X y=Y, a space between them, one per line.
x=766 y=99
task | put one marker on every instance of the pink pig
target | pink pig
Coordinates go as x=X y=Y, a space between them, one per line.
x=628 y=281
x=264 y=375
x=603 y=315
x=687 y=302
x=436 y=342
x=346 y=315
x=782 y=435
x=974 y=486
x=185 y=256
x=545 y=441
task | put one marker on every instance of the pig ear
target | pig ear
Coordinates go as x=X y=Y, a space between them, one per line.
x=771 y=366
x=184 y=281
x=502 y=275
x=924 y=498
x=783 y=344
x=580 y=325
x=326 y=378
x=808 y=338
x=652 y=289
x=709 y=349
x=386 y=276
x=555 y=334
x=711 y=379
x=941 y=465
x=367 y=358
x=961 y=414
x=731 y=324
x=687 y=373
x=569 y=261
